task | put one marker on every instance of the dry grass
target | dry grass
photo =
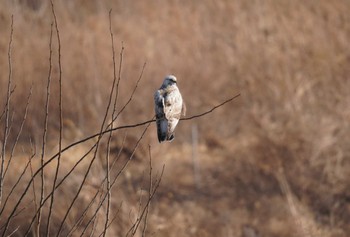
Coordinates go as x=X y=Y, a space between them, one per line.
x=276 y=161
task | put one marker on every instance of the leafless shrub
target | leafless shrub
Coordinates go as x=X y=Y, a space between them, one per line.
x=87 y=207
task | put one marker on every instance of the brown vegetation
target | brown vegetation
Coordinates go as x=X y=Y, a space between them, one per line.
x=275 y=162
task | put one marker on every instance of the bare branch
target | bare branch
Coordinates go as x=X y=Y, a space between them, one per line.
x=108 y=186
x=135 y=226
x=20 y=130
x=59 y=154
x=45 y=132
x=60 y=112
x=211 y=110
x=7 y=113
x=149 y=192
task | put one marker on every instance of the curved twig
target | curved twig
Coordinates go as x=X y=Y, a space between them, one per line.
x=141 y=124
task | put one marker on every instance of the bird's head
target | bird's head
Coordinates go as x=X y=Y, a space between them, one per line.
x=169 y=80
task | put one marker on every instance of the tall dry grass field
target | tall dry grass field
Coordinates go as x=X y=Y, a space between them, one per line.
x=274 y=162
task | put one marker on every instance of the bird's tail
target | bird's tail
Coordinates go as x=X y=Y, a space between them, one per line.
x=162 y=131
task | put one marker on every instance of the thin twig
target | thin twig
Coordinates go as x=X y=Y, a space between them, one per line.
x=84 y=213
x=211 y=110
x=14 y=231
x=95 y=221
x=6 y=102
x=114 y=217
x=114 y=64
x=149 y=192
x=59 y=154
x=20 y=130
x=94 y=216
x=60 y=113
x=92 y=219
x=17 y=182
x=6 y=124
x=108 y=186
x=140 y=200
x=25 y=206
x=135 y=226
x=45 y=134
x=31 y=174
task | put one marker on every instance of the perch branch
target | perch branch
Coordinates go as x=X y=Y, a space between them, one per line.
x=214 y=108
x=144 y=123
x=131 y=126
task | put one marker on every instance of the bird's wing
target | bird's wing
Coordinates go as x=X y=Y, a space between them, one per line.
x=161 y=121
x=159 y=104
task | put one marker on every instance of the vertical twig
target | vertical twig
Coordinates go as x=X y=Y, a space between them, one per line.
x=94 y=156
x=45 y=134
x=114 y=64
x=49 y=78
x=20 y=131
x=149 y=192
x=60 y=112
x=6 y=124
x=138 y=216
x=31 y=174
x=110 y=134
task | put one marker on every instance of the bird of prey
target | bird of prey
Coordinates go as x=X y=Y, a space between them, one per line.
x=168 y=107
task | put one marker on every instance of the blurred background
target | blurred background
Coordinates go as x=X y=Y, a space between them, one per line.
x=273 y=162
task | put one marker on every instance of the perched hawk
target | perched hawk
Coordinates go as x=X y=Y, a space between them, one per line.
x=168 y=107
